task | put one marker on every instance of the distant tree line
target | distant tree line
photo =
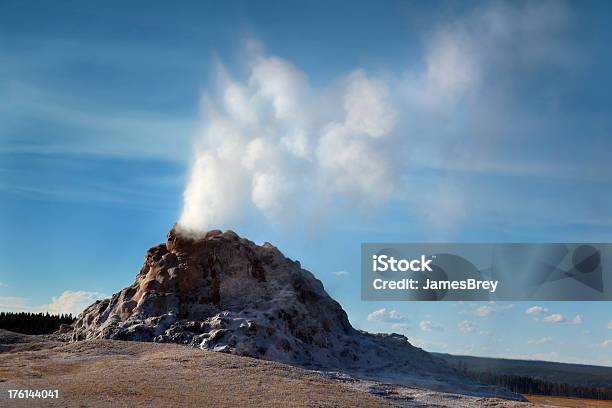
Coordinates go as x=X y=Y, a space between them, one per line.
x=529 y=385
x=33 y=323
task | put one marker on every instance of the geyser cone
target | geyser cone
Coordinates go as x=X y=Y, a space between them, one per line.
x=222 y=292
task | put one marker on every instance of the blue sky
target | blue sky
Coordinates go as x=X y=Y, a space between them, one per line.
x=493 y=125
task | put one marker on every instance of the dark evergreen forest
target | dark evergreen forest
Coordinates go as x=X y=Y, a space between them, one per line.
x=33 y=323
x=535 y=386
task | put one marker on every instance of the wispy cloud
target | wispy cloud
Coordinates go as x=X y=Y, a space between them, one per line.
x=491 y=308
x=386 y=316
x=554 y=318
x=142 y=184
x=401 y=326
x=16 y=304
x=340 y=274
x=578 y=319
x=484 y=310
x=539 y=311
x=548 y=356
x=428 y=326
x=542 y=340
x=73 y=302
x=89 y=129
x=606 y=343
x=536 y=310
x=466 y=326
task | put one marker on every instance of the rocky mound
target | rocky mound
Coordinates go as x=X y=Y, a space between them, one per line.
x=224 y=293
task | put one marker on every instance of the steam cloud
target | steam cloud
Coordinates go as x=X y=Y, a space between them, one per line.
x=274 y=142
x=274 y=138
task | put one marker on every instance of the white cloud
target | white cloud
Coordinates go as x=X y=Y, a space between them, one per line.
x=536 y=310
x=341 y=274
x=73 y=302
x=427 y=325
x=67 y=302
x=386 y=316
x=484 y=310
x=610 y=325
x=489 y=309
x=401 y=326
x=554 y=318
x=543 y=340
x=3 y=285
x=395 y=316
x=606 y=343
x=466 y=326
x=577 y=319
x=377 y=315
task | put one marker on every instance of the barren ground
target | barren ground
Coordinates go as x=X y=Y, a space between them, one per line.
x=116 y=373
x=543 y=400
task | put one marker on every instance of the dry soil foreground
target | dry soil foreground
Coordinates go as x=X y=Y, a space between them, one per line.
x=542 y=400
x=116 y=373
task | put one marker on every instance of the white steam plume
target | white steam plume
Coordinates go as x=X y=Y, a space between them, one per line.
x=273 y=142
